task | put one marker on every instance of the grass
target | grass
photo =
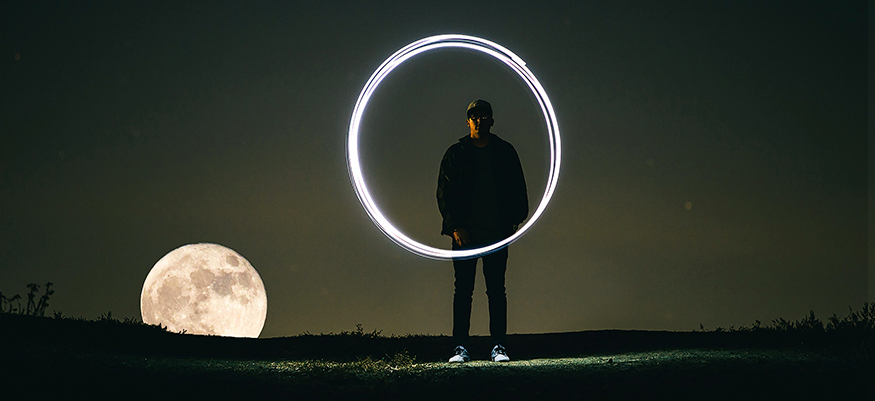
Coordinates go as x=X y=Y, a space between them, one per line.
x=751 y=373
x=47 y=357
x=110 y=358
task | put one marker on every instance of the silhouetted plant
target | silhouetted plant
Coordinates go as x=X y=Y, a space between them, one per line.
x=6 y=303
x=856 y=327
x=856 y=330
x=863 y=320
x=106 y=317
x=44 y=300
x=32 y=308
x=360 y=332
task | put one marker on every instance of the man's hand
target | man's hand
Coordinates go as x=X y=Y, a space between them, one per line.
x=460 y=236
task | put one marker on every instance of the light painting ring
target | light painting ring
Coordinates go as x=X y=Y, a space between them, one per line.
x=352 y=152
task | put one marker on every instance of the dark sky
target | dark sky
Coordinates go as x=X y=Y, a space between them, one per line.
x=714 y=156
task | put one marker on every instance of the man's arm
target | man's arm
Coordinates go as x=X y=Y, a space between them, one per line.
x=461 y=237
x=447 y=195
x=518 y=192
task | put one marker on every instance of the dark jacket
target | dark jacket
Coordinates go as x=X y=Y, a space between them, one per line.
x=456 y=178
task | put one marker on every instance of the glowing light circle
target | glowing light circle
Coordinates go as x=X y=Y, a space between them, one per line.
x=354 y=162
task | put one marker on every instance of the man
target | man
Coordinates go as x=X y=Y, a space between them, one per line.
x=482 y=197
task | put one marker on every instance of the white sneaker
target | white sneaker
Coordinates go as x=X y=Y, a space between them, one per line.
x=461 y=355
x=499 y=354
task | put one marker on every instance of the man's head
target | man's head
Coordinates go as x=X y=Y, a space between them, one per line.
x=481 y=107
x=479 y=117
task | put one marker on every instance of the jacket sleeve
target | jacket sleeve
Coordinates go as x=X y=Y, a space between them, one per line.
x=519 y=199
x=448 y=194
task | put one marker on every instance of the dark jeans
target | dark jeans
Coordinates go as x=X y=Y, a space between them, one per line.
x=494 y=266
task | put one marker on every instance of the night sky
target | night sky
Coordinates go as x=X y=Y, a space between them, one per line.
x=714 y=156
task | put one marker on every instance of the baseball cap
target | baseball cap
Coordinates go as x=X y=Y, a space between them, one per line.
x=481 y=106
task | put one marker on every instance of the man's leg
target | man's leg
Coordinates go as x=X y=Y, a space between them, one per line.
x=465 y=271
x=494 y=266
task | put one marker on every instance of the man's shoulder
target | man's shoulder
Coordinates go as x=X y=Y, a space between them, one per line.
x=498 y=140
x=459 y=145
x=501 y=143
x=454 y=153
x=464 y=143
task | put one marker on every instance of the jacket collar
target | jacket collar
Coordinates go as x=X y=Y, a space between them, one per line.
x=466 y=140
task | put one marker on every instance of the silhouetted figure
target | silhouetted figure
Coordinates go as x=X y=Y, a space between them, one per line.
x=482 y=197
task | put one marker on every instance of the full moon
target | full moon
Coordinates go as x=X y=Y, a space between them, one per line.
x=205 y=289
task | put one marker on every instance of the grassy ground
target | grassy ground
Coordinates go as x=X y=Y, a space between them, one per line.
x=44 y=358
